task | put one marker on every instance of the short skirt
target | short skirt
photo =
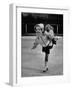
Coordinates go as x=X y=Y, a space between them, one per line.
x=47 y=49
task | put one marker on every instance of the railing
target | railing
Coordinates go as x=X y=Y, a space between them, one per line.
x=28 y=29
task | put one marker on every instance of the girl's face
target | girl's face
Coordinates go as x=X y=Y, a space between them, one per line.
x=47 y=29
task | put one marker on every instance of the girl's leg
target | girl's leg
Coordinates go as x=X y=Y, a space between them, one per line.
x=46 y=62
x=46 y=59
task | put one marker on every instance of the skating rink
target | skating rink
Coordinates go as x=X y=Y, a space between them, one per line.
x=32 y=60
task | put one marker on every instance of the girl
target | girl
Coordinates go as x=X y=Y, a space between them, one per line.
x=44 y=38
x=50 y=36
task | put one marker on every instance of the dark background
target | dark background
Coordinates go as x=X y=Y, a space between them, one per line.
x=29 y=20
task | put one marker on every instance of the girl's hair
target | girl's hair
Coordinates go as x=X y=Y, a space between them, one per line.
x=49 y=27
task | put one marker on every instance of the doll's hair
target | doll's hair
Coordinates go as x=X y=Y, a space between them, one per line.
x=49 y=27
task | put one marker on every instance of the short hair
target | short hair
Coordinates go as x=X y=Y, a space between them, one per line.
x=48 y=26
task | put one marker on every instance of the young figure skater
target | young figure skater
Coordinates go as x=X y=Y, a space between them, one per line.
x=44 y=38
x=50 y=35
